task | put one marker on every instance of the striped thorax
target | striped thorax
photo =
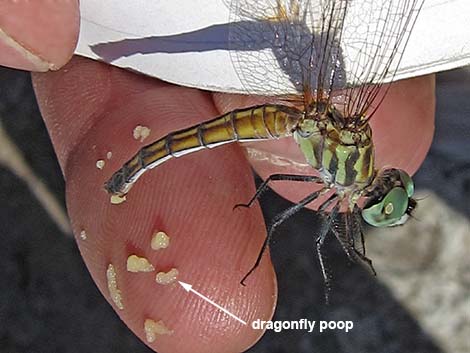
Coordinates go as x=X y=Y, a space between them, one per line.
x=343 y=157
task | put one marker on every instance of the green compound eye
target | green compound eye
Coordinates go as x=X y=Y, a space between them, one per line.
x=390 y=211
x=407 y=183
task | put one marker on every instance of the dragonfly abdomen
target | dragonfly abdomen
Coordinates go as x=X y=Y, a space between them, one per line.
x=346 y=158
x=255 y=123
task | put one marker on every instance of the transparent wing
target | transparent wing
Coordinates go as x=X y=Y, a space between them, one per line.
x=312 y=47
x=286 y=46
x=374 y=38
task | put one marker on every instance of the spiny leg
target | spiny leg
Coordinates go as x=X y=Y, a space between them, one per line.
x=277 y=221
x=357 y=227
x=344 y=232
x=366 y=260
x=363 y=243
x=276 y=177
x=320 y=241
x=357 y=219
x=340 y=230
x=362 y=255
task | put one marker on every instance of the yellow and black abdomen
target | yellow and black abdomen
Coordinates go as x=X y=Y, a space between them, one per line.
x=254 y=123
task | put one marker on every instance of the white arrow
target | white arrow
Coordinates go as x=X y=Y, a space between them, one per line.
x=189 y=288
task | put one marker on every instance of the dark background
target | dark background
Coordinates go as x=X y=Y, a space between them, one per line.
x=48 y=302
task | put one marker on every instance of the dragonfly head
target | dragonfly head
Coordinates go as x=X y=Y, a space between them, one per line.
x=390 y=201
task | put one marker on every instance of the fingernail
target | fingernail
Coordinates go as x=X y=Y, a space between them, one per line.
x=14 y=55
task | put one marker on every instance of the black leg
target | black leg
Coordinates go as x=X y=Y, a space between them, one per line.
x=358 y=229
x=277 y=221
x=276 y=177
x=345 y=232
x=366 y=260
x=331 y=200
x=321 y=257
x=363 y=243
x=319 y=244
x=357 y=220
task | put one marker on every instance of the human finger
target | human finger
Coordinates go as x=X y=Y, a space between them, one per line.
x=91 y=109
x=38 y=35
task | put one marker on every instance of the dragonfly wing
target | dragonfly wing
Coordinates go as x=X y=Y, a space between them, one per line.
x=287 y=46
x=313 y=47
x=373 y=51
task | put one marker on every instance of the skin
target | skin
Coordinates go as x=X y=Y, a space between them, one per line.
x=91 y=108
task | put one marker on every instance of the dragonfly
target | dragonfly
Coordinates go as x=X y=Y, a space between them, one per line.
x=329 y=64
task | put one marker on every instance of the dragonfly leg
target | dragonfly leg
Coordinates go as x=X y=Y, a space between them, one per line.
x=276 y=177
x=363 y=243
x=361 y=254
x=279 y=219
x=357 y=220
x=366 y=260
x=320 y=241
x=344 y=232
x=321 y=260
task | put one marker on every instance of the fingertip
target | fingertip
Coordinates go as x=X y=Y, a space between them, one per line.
x=74 y=98
x=211 y=247
x=403 y=127
x=191 y=199
x=38 y=35
x=70 y=99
